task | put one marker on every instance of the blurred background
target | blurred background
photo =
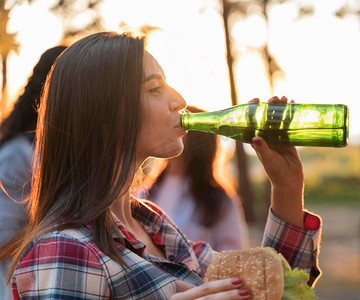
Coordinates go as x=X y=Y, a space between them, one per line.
x=218 y=53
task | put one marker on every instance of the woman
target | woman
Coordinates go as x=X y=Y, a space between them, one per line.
x=17 y=133
x=188 y=191
x=106 y=108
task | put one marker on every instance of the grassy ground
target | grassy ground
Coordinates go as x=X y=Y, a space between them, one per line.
x=332 y=175
x=339 y=254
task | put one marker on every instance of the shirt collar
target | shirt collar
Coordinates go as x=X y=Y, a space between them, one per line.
x=148 y=217
x=177 y=250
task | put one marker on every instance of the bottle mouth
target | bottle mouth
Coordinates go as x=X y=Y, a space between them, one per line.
x=184 y=120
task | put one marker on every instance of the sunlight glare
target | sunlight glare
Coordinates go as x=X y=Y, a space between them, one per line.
x=251 y=31
x=318 y=53
x=35 y=34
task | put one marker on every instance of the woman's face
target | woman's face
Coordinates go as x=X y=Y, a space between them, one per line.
x=161 y=133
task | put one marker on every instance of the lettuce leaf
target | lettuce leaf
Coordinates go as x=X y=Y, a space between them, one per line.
x=295 y=287
x=298 y=292
x=294 y=276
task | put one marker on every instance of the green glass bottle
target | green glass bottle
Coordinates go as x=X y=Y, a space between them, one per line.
x=320 y=125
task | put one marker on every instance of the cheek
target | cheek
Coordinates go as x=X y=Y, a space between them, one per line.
x=150 y=136
x=160 y=142
x=158 y=137
x=155 y=126
x=153 y=130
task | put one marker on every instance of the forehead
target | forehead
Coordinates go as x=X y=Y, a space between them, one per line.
x=151 y=66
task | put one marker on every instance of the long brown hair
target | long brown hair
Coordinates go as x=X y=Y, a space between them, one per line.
x=86 y=137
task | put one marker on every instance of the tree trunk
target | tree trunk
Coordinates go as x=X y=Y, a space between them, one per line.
x=244 y=186
x=3 y=104
x=268 y=61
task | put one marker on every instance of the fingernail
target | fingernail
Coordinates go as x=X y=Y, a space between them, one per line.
x=257 y=141
x=244 y=292
x=236 y=281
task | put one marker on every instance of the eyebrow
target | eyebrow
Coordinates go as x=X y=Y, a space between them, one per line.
x=154 y=76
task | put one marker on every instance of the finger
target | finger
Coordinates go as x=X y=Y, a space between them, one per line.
x=228 y=295
x=274 y=99
x=284 y=99
x=213 y=287
x=255 y=100
x=262 y=150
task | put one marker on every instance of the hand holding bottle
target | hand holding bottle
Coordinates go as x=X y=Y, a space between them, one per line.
x=284 y=170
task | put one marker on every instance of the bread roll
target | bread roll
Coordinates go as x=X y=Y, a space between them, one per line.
x=260 y=269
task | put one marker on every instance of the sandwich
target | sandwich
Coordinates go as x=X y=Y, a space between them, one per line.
x=264 y=272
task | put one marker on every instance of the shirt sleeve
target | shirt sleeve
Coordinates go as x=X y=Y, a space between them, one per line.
x=299 y=245
x=58 y=268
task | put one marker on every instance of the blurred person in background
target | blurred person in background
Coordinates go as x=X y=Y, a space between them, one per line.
x=188 y=191
x=17 y=134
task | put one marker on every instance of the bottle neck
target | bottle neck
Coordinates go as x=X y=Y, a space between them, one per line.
x=203 y=121
x=198 y=121
x=184 y=121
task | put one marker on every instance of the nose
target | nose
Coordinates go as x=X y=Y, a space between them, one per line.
x=177 y=101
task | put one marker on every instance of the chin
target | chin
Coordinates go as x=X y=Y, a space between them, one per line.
x=173 y=153
x=176 y=151
x=167 y=149
x=180 y=150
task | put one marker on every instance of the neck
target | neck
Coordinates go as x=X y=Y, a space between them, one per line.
x=122 y=209
x=176 y=166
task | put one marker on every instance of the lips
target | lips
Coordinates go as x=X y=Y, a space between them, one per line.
x=179 y=128
x=182 y=131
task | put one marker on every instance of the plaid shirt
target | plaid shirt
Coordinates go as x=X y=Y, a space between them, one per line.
x=68 y=264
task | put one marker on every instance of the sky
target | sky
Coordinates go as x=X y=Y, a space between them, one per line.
x=319 y=54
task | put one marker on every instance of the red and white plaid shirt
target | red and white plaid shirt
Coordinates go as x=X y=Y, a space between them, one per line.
x=67 y=264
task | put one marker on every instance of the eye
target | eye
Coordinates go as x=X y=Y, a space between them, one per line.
x=156 y=89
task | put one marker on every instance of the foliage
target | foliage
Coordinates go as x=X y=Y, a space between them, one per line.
x=72 y=11
x=332 y=175
x=7 y=40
